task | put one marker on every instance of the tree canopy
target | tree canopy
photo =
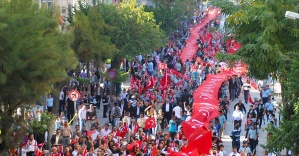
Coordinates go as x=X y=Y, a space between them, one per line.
x=170 y=13
x=125 y=30
x=269 y=46
x=91 y=39
x=34 y=55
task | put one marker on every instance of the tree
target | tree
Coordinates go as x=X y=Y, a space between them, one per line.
x=136 y=30
x=34 y=55
x=90 y=30
x=270 y=46
x=171 y=13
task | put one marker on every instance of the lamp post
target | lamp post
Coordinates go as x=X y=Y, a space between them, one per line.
x=291 y=15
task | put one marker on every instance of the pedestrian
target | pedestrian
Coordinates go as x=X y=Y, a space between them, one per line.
x=61 y=102
x=235 y=136
x=237 y=116
x=66 y=132
x=260 y=113
x=82 y=116
x=235 y=152
x=91 y=114
x=245 y=148
x=242 y=107
x=49 y=103
x=105 y=100
x=173 y=127
x=269 y=108
x=246 y=87
x=253 y=138
x=70 y=107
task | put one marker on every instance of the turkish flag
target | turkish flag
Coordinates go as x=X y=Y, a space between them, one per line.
x=202 y=139
x=173 y=71
x=194 y=152
x=205 y=113
x=134 y=82
x=150 y=84
x=165 y=80
x=189 y=127
x=162 y=66
x=250 y=99
x=150 y=123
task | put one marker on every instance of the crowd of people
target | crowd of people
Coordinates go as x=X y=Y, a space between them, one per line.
x=146 y=118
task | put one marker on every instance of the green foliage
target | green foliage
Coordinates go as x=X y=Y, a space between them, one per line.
x=171 y=13
x=265 y=34
x=136 y=31
x=91 y=39
x=83 y=80
x=40 y=127
x=270 y=45
x=120 y=76
x=286 y=136
x=227 y=6
x=34 y=55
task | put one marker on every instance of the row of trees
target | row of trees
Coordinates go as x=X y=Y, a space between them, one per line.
x=35 y=54
x=270 y=46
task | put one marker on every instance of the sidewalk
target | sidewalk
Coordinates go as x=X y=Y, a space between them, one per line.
x=227 y=142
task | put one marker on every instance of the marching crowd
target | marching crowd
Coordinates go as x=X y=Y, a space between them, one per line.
x=146 y=118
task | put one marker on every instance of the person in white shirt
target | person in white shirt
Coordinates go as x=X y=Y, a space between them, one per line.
x=82 y=116
x=106 y=131
x=234 y=153
x=237 y=116
x=31 y=145
x=178 y=112
x=61 y=102
x=123 y=94
x=189 y=116
x=76 y=151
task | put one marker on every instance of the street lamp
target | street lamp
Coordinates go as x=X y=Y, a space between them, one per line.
x=292 y=15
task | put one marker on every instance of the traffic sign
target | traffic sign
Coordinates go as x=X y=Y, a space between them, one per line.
x=74 y=95
x=24 y=140
x=112 y=74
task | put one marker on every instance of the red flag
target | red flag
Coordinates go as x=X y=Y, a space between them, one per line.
x=194 y=152
x=140 y=88
x=202 y=140
x=134 y=82
x=253 y=84
x=162 y=66
x=154 y=152
x=130 y=146
x=189 y=127
x=89 y=133
x=124 y=130
x=150 y=84
x=250 y=99
x=135 y=128
x=84 y=152
x=38 y=152
x=173 y=71
x=150 y=123
x=165 y=80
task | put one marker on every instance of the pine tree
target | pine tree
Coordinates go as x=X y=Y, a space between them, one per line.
x=34 y=55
